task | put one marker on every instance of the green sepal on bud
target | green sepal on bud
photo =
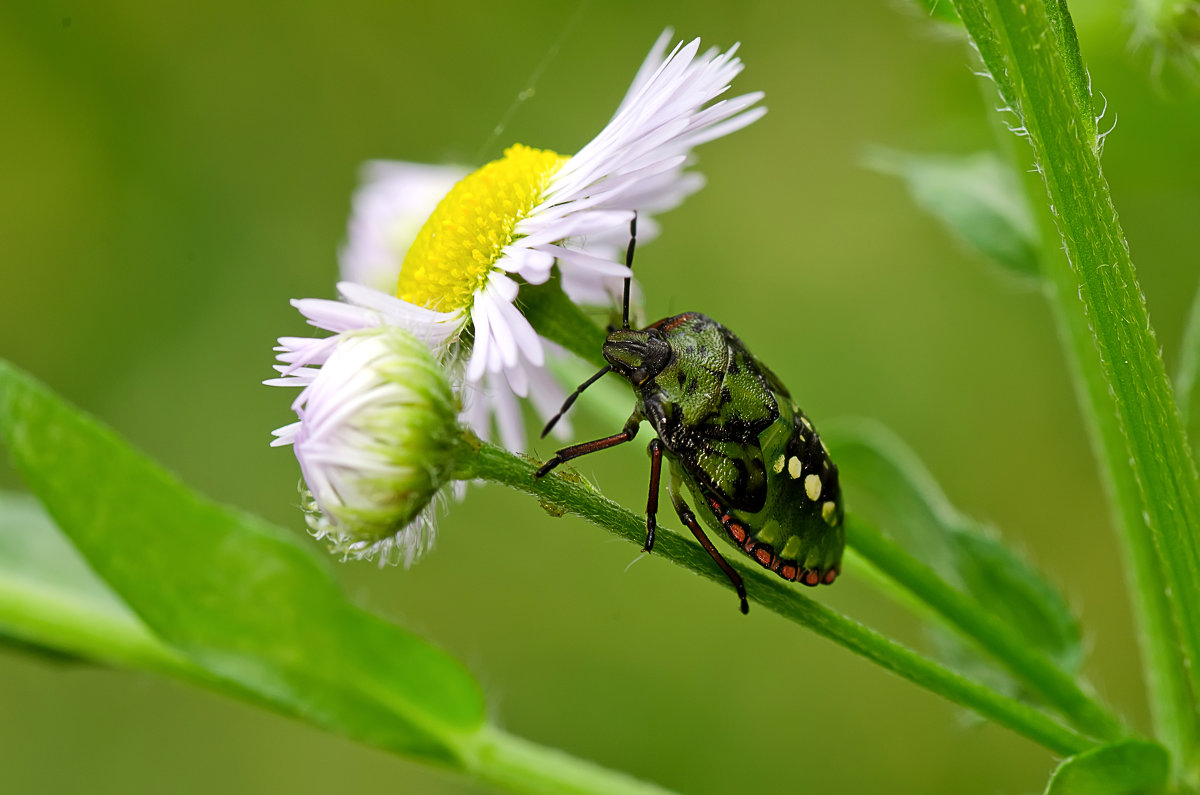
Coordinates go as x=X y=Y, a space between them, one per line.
x=378 y=440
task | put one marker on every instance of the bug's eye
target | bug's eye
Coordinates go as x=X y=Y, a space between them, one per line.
x=639 y=376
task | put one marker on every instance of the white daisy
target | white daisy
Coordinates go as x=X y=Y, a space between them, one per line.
x=519 y=215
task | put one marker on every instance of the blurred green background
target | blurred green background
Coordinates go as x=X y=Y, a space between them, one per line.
x=173 y=175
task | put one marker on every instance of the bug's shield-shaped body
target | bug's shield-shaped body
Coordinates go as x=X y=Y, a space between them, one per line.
x=732 y=433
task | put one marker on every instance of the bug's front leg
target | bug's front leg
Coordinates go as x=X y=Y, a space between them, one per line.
x=688 y=518
x=574 y=451
x=656 y=450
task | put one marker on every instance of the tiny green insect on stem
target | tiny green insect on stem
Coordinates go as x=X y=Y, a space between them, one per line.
x=733 y=439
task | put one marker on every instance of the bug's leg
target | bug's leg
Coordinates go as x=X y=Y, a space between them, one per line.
x=656 y=448
x=689 y=519
x=576 y=450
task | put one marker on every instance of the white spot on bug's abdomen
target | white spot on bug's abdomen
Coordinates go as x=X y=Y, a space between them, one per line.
x=794 y=467
x=828 y=509
x=812 y=487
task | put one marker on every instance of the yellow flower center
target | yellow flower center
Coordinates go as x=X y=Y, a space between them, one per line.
x=458 y=246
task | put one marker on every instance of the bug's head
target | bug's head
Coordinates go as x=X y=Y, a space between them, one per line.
x=637 y=355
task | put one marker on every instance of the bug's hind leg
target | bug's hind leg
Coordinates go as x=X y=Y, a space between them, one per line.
x=688 y=518
x=655 y=450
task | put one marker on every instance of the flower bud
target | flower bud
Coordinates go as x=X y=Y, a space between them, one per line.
x=376 y=441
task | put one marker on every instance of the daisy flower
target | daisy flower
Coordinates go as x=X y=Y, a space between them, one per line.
x=512 y=221
x=389 y=208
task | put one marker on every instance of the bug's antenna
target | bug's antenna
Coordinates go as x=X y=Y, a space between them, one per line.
x=571 y=399
x=629 y=264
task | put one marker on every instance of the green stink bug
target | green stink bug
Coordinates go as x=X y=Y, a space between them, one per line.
x=732 y=435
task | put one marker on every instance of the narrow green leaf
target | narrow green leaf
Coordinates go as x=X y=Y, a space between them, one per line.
x=892 y=488
x=1129 y=767
x=239 y=598
x=976 y=197
x=1112 y=351
x=1012 y=590
x=52 y=602
x=1011 y=629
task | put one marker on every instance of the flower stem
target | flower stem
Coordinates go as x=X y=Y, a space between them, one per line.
x=518 y=765
x=569 y=492
x=996 y=637
x=1030 y=51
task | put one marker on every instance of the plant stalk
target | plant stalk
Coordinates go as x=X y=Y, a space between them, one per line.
x=568 y=492
x=1030 y=50
x=518 y=765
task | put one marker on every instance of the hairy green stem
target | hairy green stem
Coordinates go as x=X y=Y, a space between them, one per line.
x=996 y=637
x=1110 y=346
x=571 y=493
x=518 y=765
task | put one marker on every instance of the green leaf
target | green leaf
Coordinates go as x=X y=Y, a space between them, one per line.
x=1130 y=767
x=893 y=489
x=53 y=604
x=976 y=197
x=240 y=599
x=989 y=597
x=212 y=595
x=1111 y=348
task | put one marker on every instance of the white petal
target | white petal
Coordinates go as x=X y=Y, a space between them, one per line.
x=508 y=414
x=506 y=346
x=501 y=288
x=548 y=395
x=335 y=316
x=662 y=117
x=648 y=68
x=517 y=379
x=533 y=266
x=580 y=259
x=479 y=350
x=477 y=412
x=521 y=332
